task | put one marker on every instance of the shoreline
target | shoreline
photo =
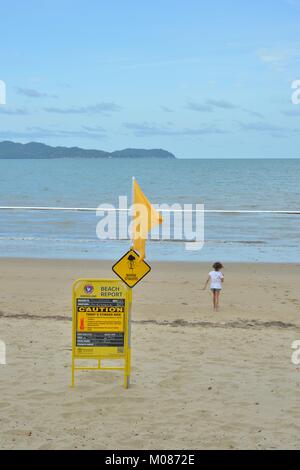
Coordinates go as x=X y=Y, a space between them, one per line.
x=149 y=261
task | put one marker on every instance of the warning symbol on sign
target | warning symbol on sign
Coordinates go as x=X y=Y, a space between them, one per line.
x=131 y=269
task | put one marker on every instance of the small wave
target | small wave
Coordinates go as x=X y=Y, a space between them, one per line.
x=96 y=240
x=213 y=242
x=47 y=239
x=241 y=242
x=19 y=238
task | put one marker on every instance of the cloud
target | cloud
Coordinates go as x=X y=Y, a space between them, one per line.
x=32 y=93
x=39 y=132
x=162 y=63
x=13 y=111
x=292 y=112
x=167 y=109
x=277 y=58
x=253 y=113
x=64 y=85
x=94 y=129
x=221 y=104
x=100 y=108
x=194 y=106
x=262 y=127
x=270 y=57
x=211 y=104
x=271 y=129
x=151 y=129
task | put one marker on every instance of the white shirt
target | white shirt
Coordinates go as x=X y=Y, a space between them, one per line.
x=216 y=279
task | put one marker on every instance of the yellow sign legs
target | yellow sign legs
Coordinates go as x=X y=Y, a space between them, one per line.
x=73 y=372
x=101 y=326
x=128 y=352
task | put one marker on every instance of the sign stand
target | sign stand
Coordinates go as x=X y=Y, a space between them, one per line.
x=101 y=324
x=128 y=358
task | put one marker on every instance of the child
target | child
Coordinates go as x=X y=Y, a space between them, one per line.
x=216 y=278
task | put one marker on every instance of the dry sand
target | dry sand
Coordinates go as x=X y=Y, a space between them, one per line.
x=200 y=380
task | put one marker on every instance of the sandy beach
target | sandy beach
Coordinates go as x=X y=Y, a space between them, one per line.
x=200 y=379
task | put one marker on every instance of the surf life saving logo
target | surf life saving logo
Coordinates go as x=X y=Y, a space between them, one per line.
x=88 y=289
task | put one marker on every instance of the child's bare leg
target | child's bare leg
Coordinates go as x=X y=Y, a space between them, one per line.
x=217 y=299
x=214 y=299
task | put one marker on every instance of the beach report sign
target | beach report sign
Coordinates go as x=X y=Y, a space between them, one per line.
x=101 y=319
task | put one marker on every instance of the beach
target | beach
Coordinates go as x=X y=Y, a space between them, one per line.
x=200 y=379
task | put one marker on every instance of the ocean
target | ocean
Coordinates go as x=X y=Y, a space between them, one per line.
x=258 y=184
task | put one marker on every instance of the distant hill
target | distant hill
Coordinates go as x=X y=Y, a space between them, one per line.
x=14 y=150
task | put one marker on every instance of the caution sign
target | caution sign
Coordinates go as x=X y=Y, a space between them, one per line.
x=130 y=269
x=100 y=322
x=101 y=315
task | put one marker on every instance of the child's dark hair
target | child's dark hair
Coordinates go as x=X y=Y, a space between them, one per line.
x=217 y=266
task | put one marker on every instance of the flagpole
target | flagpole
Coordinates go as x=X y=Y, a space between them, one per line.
x=128 y=361
x=132 y=202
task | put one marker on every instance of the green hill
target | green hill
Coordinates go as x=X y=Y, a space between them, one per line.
x=14 y=150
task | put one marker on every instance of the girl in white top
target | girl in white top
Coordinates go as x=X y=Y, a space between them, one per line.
x=216 y=279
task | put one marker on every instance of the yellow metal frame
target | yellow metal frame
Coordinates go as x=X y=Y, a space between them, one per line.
x=126 y=355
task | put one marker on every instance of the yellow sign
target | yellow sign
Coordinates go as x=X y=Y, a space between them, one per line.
x=101 y=319
x=131 y=269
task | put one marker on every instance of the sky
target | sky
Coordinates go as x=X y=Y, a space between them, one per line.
x=201 y=79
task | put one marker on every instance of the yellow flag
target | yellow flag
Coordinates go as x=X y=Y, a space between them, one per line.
x=145 y=218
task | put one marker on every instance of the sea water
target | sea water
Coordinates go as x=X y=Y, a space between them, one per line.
x=257 y=184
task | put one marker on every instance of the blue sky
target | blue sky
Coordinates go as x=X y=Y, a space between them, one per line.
x=200 y=79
